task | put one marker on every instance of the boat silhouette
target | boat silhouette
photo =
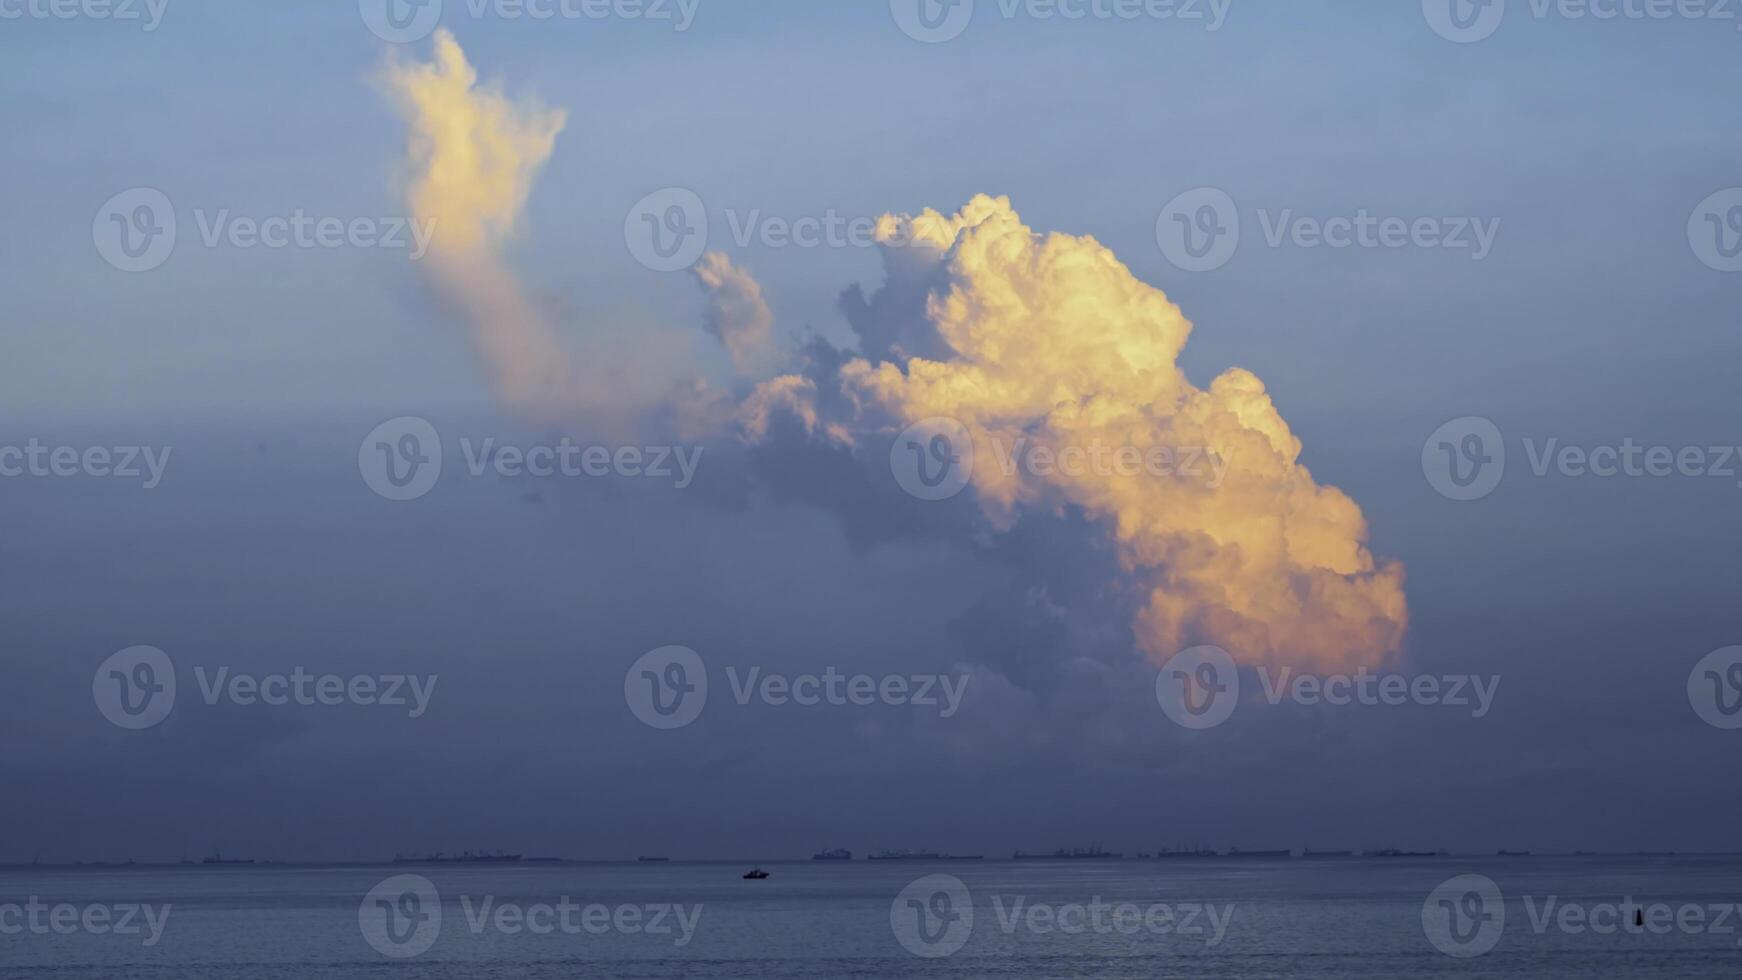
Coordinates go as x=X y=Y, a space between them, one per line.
x=464 y=858
x=887 y=855
x=1184 y=852
x=1095 y=853
x=1237 y=853
x=755 y=874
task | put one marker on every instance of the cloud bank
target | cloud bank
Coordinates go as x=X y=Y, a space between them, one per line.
x=1030 y=343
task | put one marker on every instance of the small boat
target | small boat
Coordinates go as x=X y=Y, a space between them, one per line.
x=755 y=874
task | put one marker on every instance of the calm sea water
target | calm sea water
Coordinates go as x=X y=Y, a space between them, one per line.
x=1281 y=919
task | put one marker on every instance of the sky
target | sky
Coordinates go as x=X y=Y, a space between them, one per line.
x=1062 y=307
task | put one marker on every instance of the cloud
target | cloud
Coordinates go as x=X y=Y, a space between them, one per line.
x=473 y=151
x=473 y=155
x=1044 y=348
x=1053 y=352
x=737 y=313
x=471 y=159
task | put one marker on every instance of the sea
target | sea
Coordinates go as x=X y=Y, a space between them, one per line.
x=1537 y=917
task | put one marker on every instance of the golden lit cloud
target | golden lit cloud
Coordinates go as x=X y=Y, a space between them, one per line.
x=1057 y=347
x=1049 y=345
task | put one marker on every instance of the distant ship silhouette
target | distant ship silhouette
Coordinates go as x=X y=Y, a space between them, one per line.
x=465 y=858
x=1392 y=852
x=887 y=855
x=1184 y=852
x=1095 y=853
x=1235 y=852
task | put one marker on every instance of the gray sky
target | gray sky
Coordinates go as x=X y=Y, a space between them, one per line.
x=1593 y=320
